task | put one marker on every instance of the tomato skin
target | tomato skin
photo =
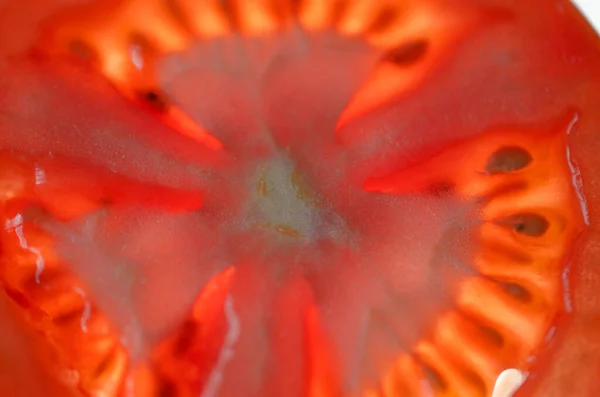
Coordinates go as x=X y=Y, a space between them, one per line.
x=534 y=63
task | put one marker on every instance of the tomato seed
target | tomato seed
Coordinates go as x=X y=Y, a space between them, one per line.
x=477 y=381
x=408 y=53
x=492 y=335
x=167 y=389
x=83 y=50
x=508 y=159
x=531 y=225
x=436 y=380
x=517 y=291
x=441 y=189
x=384 y=20
x=154 y=99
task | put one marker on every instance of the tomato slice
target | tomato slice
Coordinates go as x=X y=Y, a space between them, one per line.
x=301 y=198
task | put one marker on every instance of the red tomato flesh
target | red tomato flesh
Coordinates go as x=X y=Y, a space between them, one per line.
x=298 y=198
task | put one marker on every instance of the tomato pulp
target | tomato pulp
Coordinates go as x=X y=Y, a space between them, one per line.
x=298 y=198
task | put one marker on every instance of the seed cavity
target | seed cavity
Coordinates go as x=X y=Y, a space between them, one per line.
x=339 y=12
x=477 y=381
x=384 y=20
x=440 y=189
x=407 y=54
x=232 y=13
x=106 y=363
x=155 y=99
x=517 y=291
x=166 y=388
x=18 y=297
x=185 y=338
x=526 y=224
x=492 y=335
x=434 y=378
x=173 y=8
x=83 y=50
x=69 y=316
x=508 y=159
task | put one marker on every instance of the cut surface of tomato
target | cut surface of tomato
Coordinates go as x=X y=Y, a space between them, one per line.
x=298 y=198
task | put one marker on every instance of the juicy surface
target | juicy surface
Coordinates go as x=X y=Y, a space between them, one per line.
x=289 y=197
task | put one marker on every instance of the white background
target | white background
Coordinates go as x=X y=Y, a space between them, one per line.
x=592 y=10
